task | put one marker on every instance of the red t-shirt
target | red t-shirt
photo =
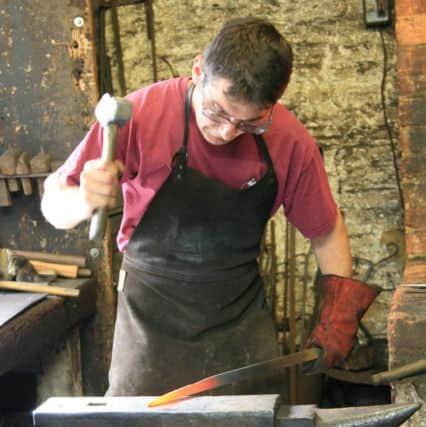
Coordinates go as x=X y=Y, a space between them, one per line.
x=146 y=145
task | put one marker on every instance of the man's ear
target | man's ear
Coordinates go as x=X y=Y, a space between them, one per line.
x=197 y=69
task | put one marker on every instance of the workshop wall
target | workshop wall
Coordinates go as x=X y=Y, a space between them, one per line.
x=343 y=89
x=47 y=97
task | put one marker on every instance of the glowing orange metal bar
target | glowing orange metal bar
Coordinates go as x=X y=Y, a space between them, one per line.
x=208 y=383
x=257 y=370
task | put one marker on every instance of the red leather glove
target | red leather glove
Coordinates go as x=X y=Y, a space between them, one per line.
x=342 y=303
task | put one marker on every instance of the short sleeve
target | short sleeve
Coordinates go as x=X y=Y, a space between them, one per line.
x=309 y=204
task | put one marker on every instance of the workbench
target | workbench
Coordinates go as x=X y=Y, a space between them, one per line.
x=33 y=332
x=40 y=353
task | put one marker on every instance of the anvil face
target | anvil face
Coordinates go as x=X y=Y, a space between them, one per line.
x=210 y=411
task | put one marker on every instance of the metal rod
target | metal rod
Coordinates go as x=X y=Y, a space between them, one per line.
x=149 y=12
x=292 y=312
x=273 y=271
x=119 y=50
x=404 y=371
x=92 y=30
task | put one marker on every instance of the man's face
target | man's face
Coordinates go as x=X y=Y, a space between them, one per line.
x=221 y=119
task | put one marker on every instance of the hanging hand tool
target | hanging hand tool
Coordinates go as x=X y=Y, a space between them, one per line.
x=41 y=164
x=8 y=162
x=254 y=371
x=23 y=168
x=111 y=112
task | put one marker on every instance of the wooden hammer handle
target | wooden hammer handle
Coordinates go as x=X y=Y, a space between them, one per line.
x=64 y=270
x=99 y=218
x=37 y=288
x=48 y=257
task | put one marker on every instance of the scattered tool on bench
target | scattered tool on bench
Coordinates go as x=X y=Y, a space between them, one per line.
x=18 y=268
x=111 y=112
x=19 y=273
x=254 y=371
x=43 y=264
x=51 y=257
x=64 y=270
x=39 y=288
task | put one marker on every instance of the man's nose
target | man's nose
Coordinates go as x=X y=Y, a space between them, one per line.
x=229 y=131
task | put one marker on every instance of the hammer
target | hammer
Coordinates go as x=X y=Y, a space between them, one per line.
x=111 y=113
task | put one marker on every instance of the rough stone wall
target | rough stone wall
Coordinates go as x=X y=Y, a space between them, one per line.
x=335 y=91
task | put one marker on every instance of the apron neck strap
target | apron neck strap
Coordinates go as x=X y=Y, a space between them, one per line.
x=264 y=152
x=182 y=154
x=188 y=100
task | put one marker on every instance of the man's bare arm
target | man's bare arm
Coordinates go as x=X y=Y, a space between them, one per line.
x=333 y=252
x=342 y=300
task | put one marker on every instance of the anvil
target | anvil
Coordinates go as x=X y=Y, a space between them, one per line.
x=211 y=411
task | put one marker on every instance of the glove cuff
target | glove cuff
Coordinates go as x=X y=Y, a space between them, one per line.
x=343 y=301
x=361 y=295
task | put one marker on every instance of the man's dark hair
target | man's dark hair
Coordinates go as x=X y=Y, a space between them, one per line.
x=254 y=56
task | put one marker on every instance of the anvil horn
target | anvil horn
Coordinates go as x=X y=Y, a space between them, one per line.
x=366 y=416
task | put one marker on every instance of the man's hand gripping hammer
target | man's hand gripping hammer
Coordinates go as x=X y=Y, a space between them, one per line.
x=111 y=113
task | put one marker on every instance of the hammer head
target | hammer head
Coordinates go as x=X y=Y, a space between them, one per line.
x=113 y=110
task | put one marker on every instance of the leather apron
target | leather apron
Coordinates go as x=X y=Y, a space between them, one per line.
x=193 y=302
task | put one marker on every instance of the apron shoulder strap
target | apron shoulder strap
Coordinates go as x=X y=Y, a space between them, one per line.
x=188 y=100
x=265 y=153
x=182 y=154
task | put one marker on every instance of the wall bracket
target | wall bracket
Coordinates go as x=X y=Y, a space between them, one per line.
x=376 y=13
